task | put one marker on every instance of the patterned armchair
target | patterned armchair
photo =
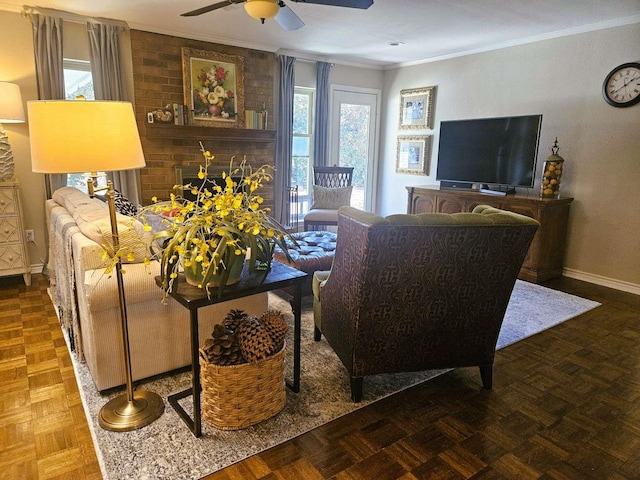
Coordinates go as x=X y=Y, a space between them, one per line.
x=419 y=292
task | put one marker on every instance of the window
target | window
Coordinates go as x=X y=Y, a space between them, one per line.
x=77 y=79
x=302 y=151
x=79 y=82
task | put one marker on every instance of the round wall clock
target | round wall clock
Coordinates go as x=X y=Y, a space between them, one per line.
x=621 y=88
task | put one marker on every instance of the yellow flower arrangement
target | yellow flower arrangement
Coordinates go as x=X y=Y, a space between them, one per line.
x=218 y=228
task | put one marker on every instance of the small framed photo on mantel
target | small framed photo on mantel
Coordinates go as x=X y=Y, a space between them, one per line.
x=416 y=108
x=413 y=154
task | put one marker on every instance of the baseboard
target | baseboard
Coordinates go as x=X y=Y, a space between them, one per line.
x=36 y=268
x=603 y=281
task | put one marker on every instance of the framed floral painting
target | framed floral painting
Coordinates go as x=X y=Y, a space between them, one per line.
x=413 y=154
x=416 y=107
x=213 y=88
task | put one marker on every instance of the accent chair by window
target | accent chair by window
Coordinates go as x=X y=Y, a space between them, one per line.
x=331 y=190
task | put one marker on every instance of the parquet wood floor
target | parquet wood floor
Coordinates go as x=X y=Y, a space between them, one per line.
x=565 y=405
x=43 y=429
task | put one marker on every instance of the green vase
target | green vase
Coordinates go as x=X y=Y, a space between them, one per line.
x=194 y=275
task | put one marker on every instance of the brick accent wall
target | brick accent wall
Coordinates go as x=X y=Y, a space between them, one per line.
x=157 y=76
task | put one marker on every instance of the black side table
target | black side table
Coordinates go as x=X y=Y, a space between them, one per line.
x=278 y=277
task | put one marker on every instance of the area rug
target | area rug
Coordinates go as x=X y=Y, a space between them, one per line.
x=166 y=449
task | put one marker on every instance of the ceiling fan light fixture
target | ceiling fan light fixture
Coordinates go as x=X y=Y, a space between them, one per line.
x=261 y=9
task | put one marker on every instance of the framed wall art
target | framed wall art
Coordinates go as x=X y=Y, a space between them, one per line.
x=413 y=154
x=213 y=88
x=416 y=107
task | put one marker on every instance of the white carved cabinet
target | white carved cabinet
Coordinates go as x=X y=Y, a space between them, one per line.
x=14 y=254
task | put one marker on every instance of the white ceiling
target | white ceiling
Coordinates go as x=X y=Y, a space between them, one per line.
x=430 y=29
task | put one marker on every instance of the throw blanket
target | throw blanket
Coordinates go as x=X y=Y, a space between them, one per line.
x=62 y=227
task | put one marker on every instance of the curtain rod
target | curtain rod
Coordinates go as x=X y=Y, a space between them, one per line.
x=303 y=57
x=71 y=17
x=307 y=60
x=310 y=60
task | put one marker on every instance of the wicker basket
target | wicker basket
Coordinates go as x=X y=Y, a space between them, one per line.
x=237 y=396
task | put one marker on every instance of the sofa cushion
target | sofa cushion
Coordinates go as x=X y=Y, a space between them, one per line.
x=322 y=215
x=92 y=217
x=71 y=198
x=331 y=198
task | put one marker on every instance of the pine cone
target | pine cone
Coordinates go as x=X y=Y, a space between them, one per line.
x=255 y=342
x=222 y=348
x=275 y=324
x=233 y=319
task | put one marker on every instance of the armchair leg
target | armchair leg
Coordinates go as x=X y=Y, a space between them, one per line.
x=317 y=334
x=356 y=389
x=486 y=374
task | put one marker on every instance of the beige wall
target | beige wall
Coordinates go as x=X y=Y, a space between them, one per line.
x=340 y=75
x=17 y=66
x=562 y=79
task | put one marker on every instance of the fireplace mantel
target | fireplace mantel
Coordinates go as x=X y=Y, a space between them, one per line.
x=210 y=133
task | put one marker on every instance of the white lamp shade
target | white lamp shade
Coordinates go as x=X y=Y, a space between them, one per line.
x=11 y=109
x=262 y=8
x=71 y=136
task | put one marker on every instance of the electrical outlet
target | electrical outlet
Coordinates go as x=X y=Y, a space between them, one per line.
x=30 y=236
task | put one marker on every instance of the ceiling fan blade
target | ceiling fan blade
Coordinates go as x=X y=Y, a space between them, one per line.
x=287 y=18
x=363 y=4
x=210 y=8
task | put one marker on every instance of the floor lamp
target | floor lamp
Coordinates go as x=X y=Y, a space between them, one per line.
x=76 y=136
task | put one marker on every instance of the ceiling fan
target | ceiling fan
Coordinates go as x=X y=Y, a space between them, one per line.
x=286 y=18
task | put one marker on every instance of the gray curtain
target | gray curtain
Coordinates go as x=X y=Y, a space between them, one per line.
x=47 y=48
x=321 y=133
x=284 y=139
x=108 y=84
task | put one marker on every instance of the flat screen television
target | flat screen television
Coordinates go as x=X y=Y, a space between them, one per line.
x=497 y=154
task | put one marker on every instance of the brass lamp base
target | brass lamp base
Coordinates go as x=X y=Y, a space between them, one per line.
x=121 y=415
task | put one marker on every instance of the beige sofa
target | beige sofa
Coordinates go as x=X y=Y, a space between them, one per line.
x=87 y=300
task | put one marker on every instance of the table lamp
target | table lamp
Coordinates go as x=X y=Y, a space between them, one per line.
x=11 y=111
x=74 y=136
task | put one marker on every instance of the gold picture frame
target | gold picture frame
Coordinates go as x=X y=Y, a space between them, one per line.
x=413 y=154
x=213 y=88
x=416 y=108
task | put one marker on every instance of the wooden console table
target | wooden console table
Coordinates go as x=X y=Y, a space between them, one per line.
x=278 y=277
x=545 y=255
